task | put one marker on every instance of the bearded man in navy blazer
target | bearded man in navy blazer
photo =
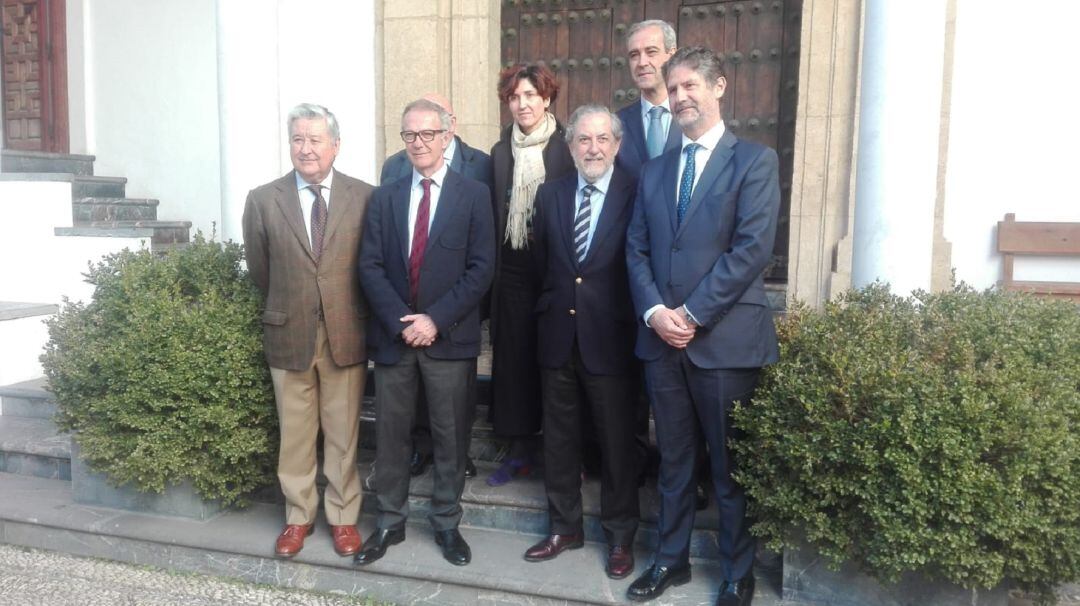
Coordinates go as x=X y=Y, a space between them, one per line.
x=427 y=258
x=586 y=339
x=700 y=238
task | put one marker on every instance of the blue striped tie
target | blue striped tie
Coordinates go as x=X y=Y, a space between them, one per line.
x=686 y=184
x=581 y=224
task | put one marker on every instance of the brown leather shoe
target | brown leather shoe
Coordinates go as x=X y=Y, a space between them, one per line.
x=553 y=545
x=620 y=561
x=346 y=540
x=291 y=540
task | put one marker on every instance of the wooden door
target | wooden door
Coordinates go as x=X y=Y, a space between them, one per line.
x=584 y=42
x=34 y=58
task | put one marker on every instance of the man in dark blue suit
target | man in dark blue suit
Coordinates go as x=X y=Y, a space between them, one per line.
x=467 y=162
x=701 y=236
x=648 y=124
x=427 y=258
x=586 y=339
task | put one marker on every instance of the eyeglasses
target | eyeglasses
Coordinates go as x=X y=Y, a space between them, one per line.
x=427 y=136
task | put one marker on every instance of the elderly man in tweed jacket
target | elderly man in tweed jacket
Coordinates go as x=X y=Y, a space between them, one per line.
x=302 y=234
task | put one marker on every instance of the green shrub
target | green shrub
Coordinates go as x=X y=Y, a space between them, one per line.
x=162 y=376
x=938 y=433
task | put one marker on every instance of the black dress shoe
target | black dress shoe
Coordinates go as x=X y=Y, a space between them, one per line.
x=419 y=462
x=655 y=580
x=454 y=548
x=375 y=546
x=736 y=593
x=470 y=468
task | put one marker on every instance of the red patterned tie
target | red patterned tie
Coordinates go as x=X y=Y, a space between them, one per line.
x=419 y=241
x=318 y=221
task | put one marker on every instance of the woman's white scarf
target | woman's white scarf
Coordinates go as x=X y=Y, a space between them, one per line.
x=529 y=174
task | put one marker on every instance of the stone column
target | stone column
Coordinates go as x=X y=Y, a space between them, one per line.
x=898 y=142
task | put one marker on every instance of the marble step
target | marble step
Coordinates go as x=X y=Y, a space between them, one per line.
x=87 y=210
x=17 y=161
x=41 y=513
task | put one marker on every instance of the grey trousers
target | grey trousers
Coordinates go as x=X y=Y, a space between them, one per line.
x=398 y=389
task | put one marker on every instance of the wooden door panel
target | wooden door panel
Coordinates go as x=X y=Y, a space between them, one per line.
x=584 y=42
x=35 y=80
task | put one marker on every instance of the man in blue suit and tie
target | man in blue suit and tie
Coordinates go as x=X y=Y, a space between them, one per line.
x=649 y=127
x=701 y=235
x=427 y=258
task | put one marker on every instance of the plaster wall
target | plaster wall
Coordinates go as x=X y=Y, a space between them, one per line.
x=1012 y=145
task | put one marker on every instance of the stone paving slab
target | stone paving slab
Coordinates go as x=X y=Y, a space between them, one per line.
x=34 y=577
x=41 y=514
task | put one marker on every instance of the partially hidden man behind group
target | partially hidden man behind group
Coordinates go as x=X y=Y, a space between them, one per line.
x=653 y=248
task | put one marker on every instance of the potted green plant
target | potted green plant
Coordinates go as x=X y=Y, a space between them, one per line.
x=161 y=380
x=916 y=439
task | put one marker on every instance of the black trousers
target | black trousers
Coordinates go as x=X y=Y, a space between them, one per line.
x=571 y=393
x=421 y=432
x=397 y=392
x=684 y=398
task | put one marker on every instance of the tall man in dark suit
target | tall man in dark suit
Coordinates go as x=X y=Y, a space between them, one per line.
x=467 y=162
x=586 y=339
x=700 y=238
x=428 y=257
x=648 y=124
x=302 y=234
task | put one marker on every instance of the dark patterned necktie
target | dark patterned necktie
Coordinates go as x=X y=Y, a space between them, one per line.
x=318 y=221
x=419 y=241
x=581 y=225
x=686 y=184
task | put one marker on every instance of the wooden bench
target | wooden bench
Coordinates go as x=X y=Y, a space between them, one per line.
x=1038 y=239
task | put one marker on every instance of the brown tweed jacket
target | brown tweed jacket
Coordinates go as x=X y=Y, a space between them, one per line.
x=281 y=264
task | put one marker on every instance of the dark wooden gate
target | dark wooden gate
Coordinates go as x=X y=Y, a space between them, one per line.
x=584 y=42
x=34 y=58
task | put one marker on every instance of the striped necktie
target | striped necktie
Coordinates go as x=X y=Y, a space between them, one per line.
x=581 y=224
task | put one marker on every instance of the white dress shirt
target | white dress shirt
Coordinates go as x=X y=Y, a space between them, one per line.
x=416 y=193
x=307 y=198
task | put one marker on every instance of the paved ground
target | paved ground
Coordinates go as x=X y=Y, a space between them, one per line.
x=30 y=577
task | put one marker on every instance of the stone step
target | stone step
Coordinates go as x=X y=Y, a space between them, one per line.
x=85 y=211
x=27 y=399
x=34 y=447
x=16 y=161
x=88 y=186
x=163 y=235
x=521 y=506
x=41 y=513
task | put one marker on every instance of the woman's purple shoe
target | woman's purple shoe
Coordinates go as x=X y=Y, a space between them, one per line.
x=510 y=469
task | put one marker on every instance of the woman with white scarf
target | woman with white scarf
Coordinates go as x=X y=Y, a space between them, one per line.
x=531 y=150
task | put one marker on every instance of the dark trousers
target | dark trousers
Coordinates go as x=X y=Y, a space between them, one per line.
x=421 y=432
x=571 y=393
x=684 y=398
x=397 y=391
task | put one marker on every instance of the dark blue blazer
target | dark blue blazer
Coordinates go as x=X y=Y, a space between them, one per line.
x=467 y=162
x=597 y=290
x=632 y=153
x=459 y=263
x=713 y=261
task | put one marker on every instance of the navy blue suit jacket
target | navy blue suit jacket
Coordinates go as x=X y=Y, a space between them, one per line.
x=713 y=261
x=598 y=290
x=632 y=153
x=467 y=162
x=459 y=263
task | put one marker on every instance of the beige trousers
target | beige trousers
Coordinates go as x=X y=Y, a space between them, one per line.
x=328 y=396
